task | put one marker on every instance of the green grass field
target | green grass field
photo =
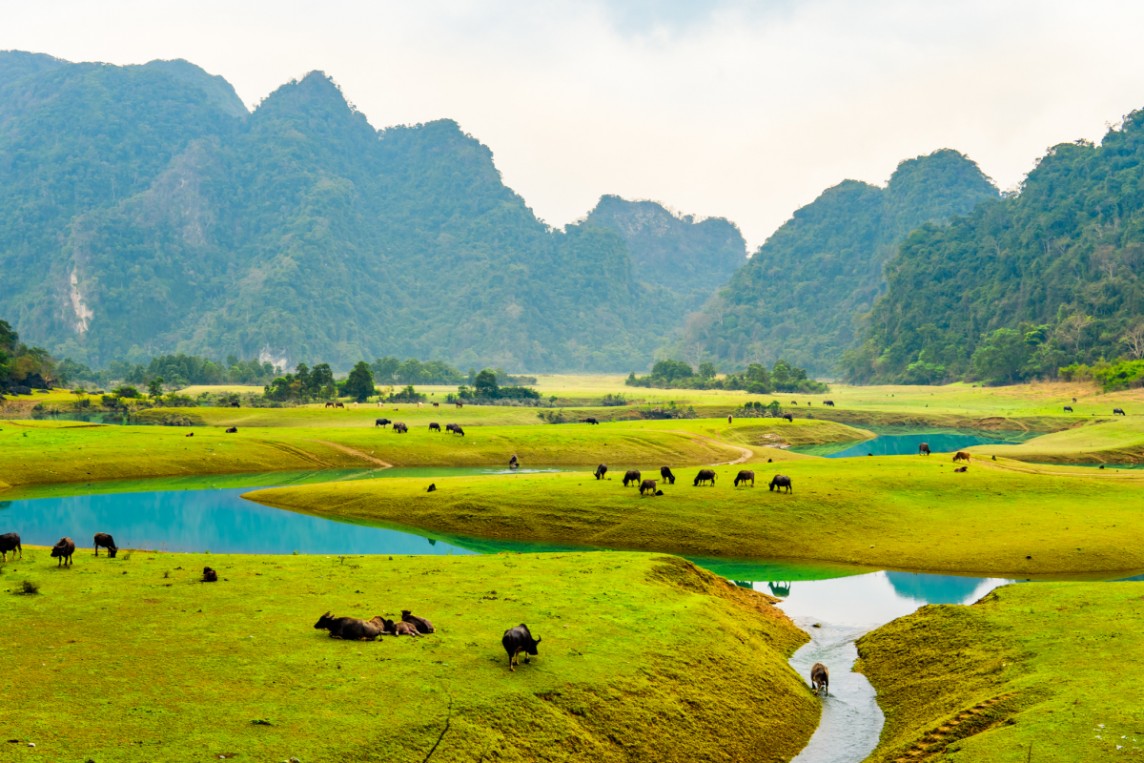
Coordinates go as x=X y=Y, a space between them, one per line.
x=642 y=657
x=1037 y=672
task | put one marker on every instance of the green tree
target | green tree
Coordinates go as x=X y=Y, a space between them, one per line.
x=155 y=388
x=359 y=384
x=485 y=385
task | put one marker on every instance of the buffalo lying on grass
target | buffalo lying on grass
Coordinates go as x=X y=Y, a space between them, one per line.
x=351 y=628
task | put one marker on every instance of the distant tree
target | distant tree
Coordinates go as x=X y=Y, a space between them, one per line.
x=155 y=388
x=707 y=370
x=485 y=385
x=359 y=384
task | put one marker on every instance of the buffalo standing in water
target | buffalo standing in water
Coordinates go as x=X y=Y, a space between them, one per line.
x=780 y=481
x=820 y=679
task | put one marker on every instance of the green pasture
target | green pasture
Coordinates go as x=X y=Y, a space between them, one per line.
x=901 y=512
x=642 y=657
x=1119 y=440
x=1035 y=672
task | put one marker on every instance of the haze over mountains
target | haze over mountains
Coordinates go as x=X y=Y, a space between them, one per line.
x=144 y=210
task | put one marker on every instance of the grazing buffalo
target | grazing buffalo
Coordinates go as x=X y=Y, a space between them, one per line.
x=329 y=404
x=10 y=542
x=189 y=434
x=665 y=473
x=381 y=422
x=828 y=403
x=63 y=551
x=420 y=623
x=432 y=488
x=788 y=417
x=106 y=541
x=517 y=640
x=400 y=427
x=923 y=449
x=436 y=405
x=434 y=426
x=631 y=477
x=704 y=475
x=820 y=679
x=209 y=575
x=351 y=628
x=1118 y=412
x=647 y=487
x=960 y=455
x=1068 y=409
x=601 y=470
x=455 y=429
x=513 y=463
x=231 y=430
x=745 y=476
x=962 y=469
x=728 y=419
x=591 y=420
x=460 y=404
x=780 y=481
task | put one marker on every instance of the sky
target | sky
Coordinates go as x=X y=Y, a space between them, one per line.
x=728 y=108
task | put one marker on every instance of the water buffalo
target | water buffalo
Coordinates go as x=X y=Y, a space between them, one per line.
x=632 y=477
x=517 y=640
x=189 y=434
x=591 y=420
x=209 y=575
x=10 y=542
x=351 y=628
x=788 y=417
x=828 y=403
x=432 y=488
x=704 y=475
x=420 y=623
x=400 y=427
x=744 y=476
x=665 y=473
x=780 y=481
x=820 y=679
x=601 y=470
x=1068 y=409
x=381 y=422
x=231 y=430
x=436 y=405
x=923 y=449
x=962 y=469
x=513 y=463
x=106 y=541
x=329 y=404
x=647 y=487
x=455 y=429
x=63 y=551
x=728 y=419
x=434 y=426
x=960 y=455
x=401 y=628
x=1118 y=412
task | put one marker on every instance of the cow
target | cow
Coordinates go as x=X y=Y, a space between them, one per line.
x=780 y=481
x=923 y=449
x=351 y=628
x=231 y=430
x=1118 y=412
x=209 y=575
x=516 y=640
x=401 y=628
x=601 y=470
x=744 y=476
x=436 y=405
x=647 y=487
x=434 y=426
x=381 y=422
x=10 y=542
x=339 y=405
x=432 y=488
x=329 y=404
x=960 y=455
x=788 y=417
x=106 y=541
x=513 y=463
x=400 y=427
x=820 y=679
x=420 y=623
x=966 y=468
x=665 y=473
x=189 y=434
x=1068 y=409
x=591 y=420
x=828 y=403
x=457 y=430
x=631 y=477
x=63 y=551
x=704 y=475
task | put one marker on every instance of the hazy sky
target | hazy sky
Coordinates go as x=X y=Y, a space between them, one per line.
x=745 y=110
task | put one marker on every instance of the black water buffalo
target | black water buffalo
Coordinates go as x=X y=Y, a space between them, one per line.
x=400 y=427
x=420 y=623
x=923 y=449
x=10 y=542
x=105 y=541
x=780 y=481
x=351 y=628
x=960 y=455
x=436 y=405
x=517 y=640
x=434 y=426
x=1068 y=409
x=513 y=463
x=189 y=434
x=591 y=420
x=601 y=470
x=231 y=430
x=432 y=488
x=820 y=679
x=704 y=475
x=381 y=422
x=665 y=473
x=209 y=575
x=455 y=429
x=63 y=551
x=744 y=476
x=965 y=469
x=400 y=628
x=788 y=417
x=1118 y=412
x=647 y=487
x=631 y=477
x=829 y=403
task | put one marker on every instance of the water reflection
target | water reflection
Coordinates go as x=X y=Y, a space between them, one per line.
x=900 y=444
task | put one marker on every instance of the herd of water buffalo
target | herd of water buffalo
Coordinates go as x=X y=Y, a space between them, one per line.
x=702 y=477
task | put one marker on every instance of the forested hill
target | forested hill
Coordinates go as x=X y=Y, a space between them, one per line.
x=144 y=210
x=1047 y=277
x=803 y=293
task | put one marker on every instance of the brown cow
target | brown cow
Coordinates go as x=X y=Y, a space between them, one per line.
x=960 y=455
x=923 y=449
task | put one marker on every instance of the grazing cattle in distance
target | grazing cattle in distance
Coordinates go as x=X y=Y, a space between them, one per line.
x=381 y=422
x=63 y=551
x=420 y=623
x=665 y=473
x=432 y=488
x=820 y=679
x=704 y=475
x=516 y=640
x=1074 y=399
x=329 y=404
x=794 y=402
x=10 y=542
x=513 y=463
x=960 y=455
x=231 y=430
x=962 y=469
x=189 y=434
x=631 y=477
x=434 y=426
x=400 y=427
x=788 y=417
x=647 y=487
x=828 y=403
x=209 y=575
x=457 y=430
x=591 y=420
x=601 y=470
x=744 y=476
x=106 y=541
x=1118 y=411
x=436 y=405
x=1068 y=409
x=923 y=449
x=728 y=419
x=351 y=628
x=780 y=481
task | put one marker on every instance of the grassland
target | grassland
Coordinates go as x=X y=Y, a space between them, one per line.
x=1042 y=672
x=642 y=657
